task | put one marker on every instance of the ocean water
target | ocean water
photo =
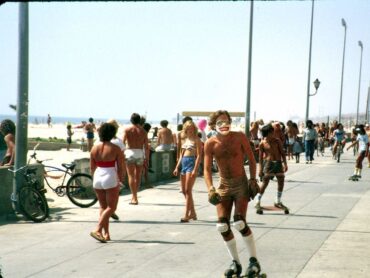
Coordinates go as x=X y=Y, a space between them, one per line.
x=59 y=120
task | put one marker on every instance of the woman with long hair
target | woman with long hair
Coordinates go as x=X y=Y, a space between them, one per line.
x=189 y=159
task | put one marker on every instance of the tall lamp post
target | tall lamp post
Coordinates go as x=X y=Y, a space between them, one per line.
x=309 y=67
x=248 y=102
x=341 y=82
x=359 y=82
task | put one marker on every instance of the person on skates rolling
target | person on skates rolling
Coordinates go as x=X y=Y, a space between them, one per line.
x=230 y=149
x=271 y=151
x=363 y=150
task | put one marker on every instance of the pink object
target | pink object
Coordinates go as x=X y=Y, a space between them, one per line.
x=202 y=124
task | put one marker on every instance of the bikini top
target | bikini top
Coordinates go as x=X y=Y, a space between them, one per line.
x=188 y=145
x=105 y=164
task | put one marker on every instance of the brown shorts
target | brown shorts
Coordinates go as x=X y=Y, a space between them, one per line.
x=232 y=189
x=273 y=168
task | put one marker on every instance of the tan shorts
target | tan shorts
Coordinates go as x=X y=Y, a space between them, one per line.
x=232 y=189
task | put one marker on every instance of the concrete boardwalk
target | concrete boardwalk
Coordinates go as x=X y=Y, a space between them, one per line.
x=327 y=233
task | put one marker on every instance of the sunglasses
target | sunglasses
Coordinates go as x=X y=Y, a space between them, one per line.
x=221 y=123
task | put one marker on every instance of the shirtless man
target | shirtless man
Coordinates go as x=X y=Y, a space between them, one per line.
x=136 y=153
x=7 y=128
x=89 y=129
x=271 y=150
x=229 y=150
x=165 y=138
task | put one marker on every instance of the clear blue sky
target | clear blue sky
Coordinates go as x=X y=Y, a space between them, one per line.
x=110 y=59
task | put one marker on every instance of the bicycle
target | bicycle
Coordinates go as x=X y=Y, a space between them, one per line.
x=339 y=151
x=79 y=187
x=31 y=197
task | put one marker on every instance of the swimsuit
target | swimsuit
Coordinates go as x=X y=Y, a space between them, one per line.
x=105 y=175
x=90 y=135
x=134 y=156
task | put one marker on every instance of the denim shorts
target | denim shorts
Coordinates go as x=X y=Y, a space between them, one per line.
x=187 y=164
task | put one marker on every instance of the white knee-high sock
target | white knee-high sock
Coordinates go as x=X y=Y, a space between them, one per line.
x=231 y=248
x=251 y=245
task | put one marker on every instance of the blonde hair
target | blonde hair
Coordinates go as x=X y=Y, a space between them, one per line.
x=188 y=124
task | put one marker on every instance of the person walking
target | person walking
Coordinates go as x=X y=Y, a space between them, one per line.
x=136 y=154
x=230 y=150
x=309 y=139
x=189 y=159
x=106 y=161
x=7 y=128
x=89 y=129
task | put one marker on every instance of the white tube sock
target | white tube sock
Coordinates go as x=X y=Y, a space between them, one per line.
x=231 y=248
x=251 y=245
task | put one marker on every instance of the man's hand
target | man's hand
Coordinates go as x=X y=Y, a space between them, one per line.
x=213 y=197
x=253 y=188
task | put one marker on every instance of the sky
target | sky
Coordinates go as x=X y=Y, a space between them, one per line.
x=110 y=59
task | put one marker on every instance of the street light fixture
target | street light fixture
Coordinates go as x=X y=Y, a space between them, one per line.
x=359 y=81
x=341 y=82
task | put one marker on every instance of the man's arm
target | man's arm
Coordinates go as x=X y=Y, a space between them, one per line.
x=208 y=158
x=9 y=140
x=250 y=155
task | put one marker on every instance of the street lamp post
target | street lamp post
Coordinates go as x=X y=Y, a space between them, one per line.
x=341 y=82
x=359 y=82
x=309 y=66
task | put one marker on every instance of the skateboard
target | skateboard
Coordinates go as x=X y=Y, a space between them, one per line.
x=260 y=275
x=260 y=209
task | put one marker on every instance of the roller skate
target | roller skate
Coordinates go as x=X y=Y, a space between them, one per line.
x=353 y=178
x=258 y=207
x=234 y=270
x=282 y=207
x=254 y=269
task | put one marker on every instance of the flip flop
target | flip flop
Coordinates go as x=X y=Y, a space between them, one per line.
x=98 y=237
x=134 y=203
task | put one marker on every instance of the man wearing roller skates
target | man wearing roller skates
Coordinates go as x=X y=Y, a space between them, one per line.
x=273 y=155
x=229 y=149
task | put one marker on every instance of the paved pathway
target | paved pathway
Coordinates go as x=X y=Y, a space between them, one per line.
x=327 y=233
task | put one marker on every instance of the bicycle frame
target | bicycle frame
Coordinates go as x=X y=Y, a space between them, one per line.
x=58 y=189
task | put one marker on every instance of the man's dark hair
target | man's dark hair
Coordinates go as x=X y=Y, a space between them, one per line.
x=147 y=127
x=106 y=132
x=142 y=120
x=7 y=127
x=213 y=117
x=135 y=119
x=164 y=123
x=91 y=120
x=309 y=124
x=266 y=130
x=186 y=118
x=179 y=127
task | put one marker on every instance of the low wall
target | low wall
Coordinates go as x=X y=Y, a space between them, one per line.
x=163 y=164
x=56 y=146
x=6 y=187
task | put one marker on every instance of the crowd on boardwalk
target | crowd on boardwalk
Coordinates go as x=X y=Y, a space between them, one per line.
x=203 y=151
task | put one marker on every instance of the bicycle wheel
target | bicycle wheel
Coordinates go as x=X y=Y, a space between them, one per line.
x=80 y=190
x=33 y=204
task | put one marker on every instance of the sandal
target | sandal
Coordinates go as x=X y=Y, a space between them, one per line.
x=134 y=203
x=98 y=237
x=184 y=220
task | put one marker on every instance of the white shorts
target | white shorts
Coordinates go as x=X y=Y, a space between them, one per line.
x=105 y=178
x=134 y=156
x=163 y=147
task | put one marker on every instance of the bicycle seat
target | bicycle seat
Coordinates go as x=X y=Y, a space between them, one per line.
x=31 y=171
x=69 y=166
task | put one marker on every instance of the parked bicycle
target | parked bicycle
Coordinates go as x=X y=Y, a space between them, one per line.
x=77 y=186
x=31 y=196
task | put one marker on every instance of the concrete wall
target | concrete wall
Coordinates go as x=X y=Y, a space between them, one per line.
x=6 y=187
x=163 y=164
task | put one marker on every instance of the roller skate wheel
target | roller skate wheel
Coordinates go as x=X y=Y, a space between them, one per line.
x=286 y=211
x=259 y=211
